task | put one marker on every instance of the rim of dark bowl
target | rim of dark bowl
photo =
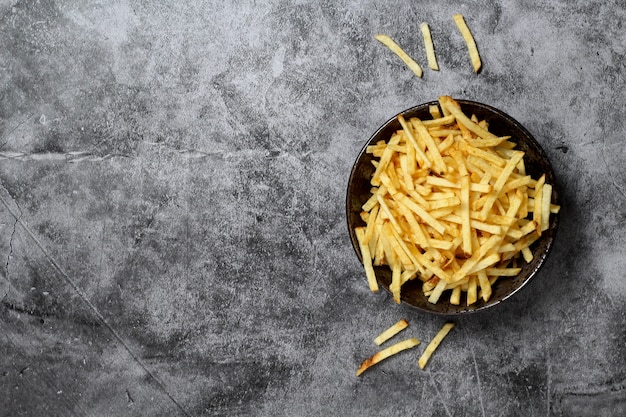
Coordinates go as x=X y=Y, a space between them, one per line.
x=536 y=162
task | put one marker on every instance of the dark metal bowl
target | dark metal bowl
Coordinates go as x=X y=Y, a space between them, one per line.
x=536 y=163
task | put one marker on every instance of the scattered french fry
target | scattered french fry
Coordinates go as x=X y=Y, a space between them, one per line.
x=386 y=353
x=430 y=47
x=391 y=331
x=434 y=344
x=469 y=41
x=396 y=49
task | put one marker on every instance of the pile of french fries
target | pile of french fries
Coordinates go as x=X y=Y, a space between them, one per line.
x=451 y=205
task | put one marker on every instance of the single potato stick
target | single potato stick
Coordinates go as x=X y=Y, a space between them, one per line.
x=545 y=206
x=367 y=259
x=434 y=344
x=430 y=47
x=469 y=41
x=466 y=230
x=396 y=49
x=391 y=331
x=434 y=111
x=386 y=353
x=537 y=209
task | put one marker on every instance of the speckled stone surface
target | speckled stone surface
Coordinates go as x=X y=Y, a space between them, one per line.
x=172 y=230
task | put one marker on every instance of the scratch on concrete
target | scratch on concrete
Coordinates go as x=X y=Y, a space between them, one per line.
x=83 y=297
x=548 y=384
x=443 y=403
x=480 y=391
x=11 y=238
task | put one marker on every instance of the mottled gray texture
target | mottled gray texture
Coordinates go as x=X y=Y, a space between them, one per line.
x=172 y=228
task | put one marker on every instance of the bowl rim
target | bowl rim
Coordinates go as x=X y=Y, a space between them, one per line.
x=549 y=237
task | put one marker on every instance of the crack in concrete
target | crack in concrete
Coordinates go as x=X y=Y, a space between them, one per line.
x=74 y=157
x=10 y=253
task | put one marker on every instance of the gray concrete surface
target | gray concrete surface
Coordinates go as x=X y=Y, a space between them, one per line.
x=172 y=229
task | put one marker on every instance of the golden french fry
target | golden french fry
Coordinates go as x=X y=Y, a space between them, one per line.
x=430 y=47
x=396 y=275
x=503 y=272
x=472 y=290
x=367 y=259
x=469 y=41
x=396 y=49
x=485 y=285
x=370 y=228
x=546 y=195
x=386 y=353
x=434 y=344
x=437 y=291
x=466 y=232
x=527 y=254
x=434 y=111
x=455 y=295
x=391 y=331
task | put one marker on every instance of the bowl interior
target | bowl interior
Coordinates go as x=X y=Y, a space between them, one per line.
x=536 y=163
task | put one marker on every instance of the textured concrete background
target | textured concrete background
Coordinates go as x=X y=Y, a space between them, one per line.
x=172 y=229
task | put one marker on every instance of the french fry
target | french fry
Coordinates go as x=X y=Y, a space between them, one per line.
x=455 y=295
x=369 y=230
x=391 y=332
x=396 y=49
x=546 y=197
x=503 y=272
x=430 y=47
x=396 y=275
x=472 y=290
x=469 y=41
x=466 y=232
x=386 y=353
x=485 y=285
x=435 y=112
x=434 y=344
x=437 y=291
x=367 y=259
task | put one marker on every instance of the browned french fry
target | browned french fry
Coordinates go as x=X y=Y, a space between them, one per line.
x=386 y=353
